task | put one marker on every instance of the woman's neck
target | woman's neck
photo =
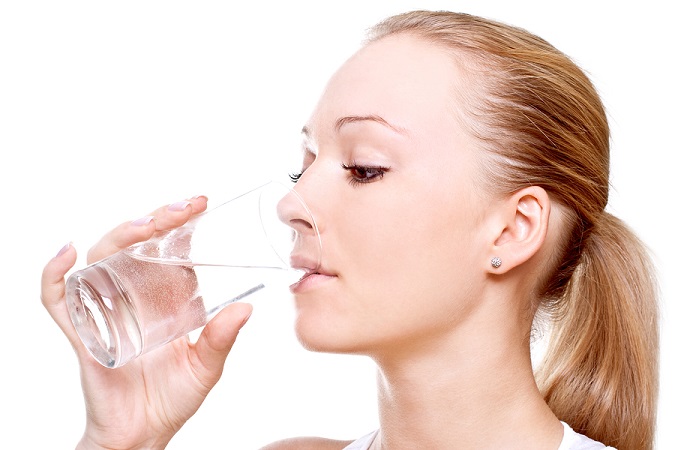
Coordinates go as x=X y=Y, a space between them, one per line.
x=470 y=392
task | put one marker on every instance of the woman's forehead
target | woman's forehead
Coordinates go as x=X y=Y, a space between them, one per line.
x=402 y=78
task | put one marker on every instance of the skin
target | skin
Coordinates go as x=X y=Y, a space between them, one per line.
x=408 y=231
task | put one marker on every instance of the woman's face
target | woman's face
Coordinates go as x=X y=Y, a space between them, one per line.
x=392 y=181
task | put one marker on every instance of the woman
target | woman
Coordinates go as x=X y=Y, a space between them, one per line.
x=457 y=169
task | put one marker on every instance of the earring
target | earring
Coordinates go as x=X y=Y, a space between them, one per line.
x=496 y=262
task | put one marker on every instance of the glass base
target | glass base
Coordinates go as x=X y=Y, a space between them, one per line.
x=103 y=317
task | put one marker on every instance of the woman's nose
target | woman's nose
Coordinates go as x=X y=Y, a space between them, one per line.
x=294 y=212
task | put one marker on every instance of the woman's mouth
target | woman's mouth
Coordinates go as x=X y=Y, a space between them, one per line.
x=310 y=280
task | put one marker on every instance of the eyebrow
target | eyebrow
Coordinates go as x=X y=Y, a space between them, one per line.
x=342 y=121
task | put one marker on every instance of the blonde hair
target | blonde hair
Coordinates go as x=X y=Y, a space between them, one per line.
x=543 y=123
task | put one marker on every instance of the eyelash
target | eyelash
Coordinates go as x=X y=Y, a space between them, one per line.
x=364 y=174
x=295 y=176
x=359 y=174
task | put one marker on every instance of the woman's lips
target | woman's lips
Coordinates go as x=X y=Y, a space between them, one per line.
x=315 y=273
x=309 y=281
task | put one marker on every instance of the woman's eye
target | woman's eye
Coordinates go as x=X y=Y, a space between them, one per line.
x=365 y=174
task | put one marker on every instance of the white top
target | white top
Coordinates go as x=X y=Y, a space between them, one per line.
x=362 y=443
x=571 y=441
x=574 y=441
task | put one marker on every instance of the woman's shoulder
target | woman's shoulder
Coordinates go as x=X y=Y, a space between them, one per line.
x=307 y=443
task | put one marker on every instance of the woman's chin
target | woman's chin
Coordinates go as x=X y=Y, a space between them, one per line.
x=325 y=339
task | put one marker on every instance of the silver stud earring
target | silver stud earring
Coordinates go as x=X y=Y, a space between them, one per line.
x=496 y=262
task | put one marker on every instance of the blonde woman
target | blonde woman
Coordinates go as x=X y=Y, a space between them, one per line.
x=457 y=169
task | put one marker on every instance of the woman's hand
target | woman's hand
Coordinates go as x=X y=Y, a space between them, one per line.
x=145 y=402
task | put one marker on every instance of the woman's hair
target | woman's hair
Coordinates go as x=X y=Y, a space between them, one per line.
x=542 y=123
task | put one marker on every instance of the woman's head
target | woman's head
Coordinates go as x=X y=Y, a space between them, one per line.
x=447 y=140
x=451 y=119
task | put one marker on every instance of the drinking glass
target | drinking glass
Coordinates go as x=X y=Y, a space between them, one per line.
x=155 y=291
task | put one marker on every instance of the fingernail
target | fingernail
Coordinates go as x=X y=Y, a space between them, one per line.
x=142 y=221
x=178 y=206
x=198 y=196
x=63 y=250
x=247 y=317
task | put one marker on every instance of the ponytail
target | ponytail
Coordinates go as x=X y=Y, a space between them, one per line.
x=600 y=372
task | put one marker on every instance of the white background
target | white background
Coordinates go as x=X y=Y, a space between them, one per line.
x=110 y=109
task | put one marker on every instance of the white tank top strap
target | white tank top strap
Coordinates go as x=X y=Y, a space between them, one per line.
x=575 y=441
x=362 y=443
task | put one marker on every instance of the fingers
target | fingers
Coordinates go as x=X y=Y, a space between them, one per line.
x=215 y=342
x=128 y=233
x=176 y=214
x=54 y=287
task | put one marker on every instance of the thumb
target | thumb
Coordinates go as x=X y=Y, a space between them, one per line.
x=53 y=290
x=216 y=341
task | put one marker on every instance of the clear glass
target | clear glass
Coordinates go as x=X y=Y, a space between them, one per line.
x=156 y=291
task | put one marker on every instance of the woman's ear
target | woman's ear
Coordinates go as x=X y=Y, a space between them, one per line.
x=521 y=227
